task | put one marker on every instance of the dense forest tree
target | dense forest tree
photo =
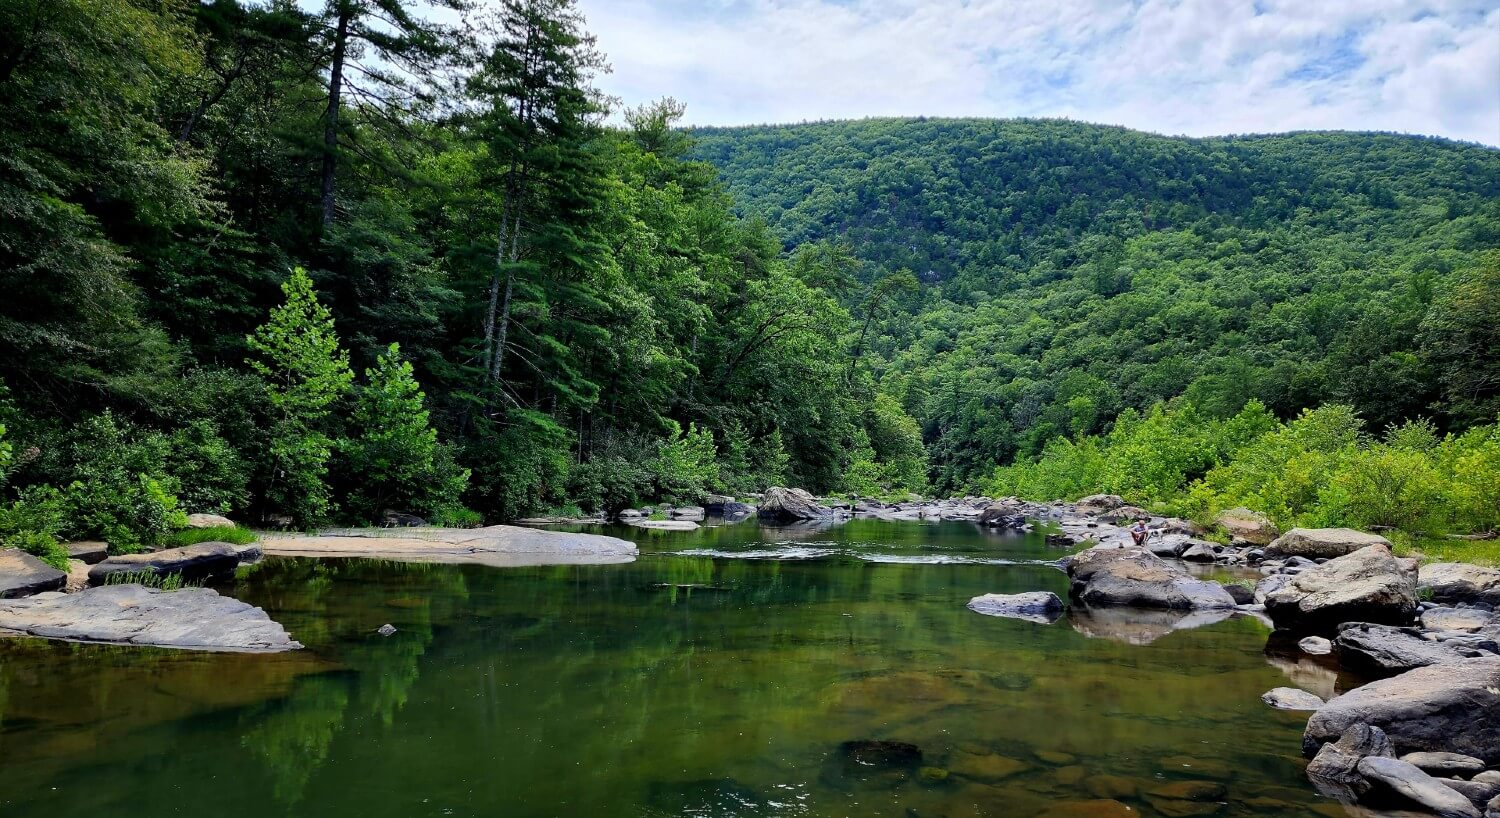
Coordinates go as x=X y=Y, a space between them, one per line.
x=216 y=212
x=1070 y=272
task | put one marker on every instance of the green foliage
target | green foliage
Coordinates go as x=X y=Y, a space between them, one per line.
x=38 y=544
x=684 y=466
x=305 y=371
x=395 y=461
x=1319 y=469
x=219 y=533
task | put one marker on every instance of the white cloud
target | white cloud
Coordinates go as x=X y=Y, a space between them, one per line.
x=1197 y=67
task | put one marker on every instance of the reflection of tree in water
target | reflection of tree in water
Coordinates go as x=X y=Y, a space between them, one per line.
x=292 y=737
x=332 y=606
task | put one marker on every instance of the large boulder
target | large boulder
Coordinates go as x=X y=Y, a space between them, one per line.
x=194 y=618
x=1321 y=543
x=1042 y=607
x=1454 y=582
x=792 y=504
x=1100 y=503
x=1365 y=586
x=209 y=521
x=1138 y=578
x=208 y=559
x=1383 y=650
x=1453 y=707
x=690 y=513
x=21 y=574
x=1246 y=527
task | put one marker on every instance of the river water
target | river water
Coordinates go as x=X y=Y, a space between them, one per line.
x=734 y=671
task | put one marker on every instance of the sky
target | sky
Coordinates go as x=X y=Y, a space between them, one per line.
x=1194 y=67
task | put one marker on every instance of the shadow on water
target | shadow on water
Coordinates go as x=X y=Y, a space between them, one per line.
x=740 y=678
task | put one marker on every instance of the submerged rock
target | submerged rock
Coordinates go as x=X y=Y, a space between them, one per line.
x=1042 y=607
x=1365 y=586
x=1316 y=646
x=21 y=574
x=792 y=504
x=1321 y=543
x=192 y=618
x=1450 y=708
x=1418 y=787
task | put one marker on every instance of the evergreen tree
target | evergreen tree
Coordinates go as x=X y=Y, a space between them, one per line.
x=297 y=354
x=394 y=459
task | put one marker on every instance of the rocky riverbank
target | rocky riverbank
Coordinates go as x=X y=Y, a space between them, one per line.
x=1424 y=735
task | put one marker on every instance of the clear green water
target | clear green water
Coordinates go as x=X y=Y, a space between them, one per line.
x=612 y=691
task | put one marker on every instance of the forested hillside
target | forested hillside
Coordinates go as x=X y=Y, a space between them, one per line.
x=1069 y=272
x=306 y=267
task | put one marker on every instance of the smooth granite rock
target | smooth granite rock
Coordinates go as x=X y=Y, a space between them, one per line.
x=1291 y=698
x=1418 y=787
x=1454 y=582
x=1384 y=650
x=1321 y=543
x=501 y=546
x=21 y=574
x=1042 y=607
x=1365 y=586
x=1446 y=708
x=208 y=559
x=190 y=618
x=1137 y=578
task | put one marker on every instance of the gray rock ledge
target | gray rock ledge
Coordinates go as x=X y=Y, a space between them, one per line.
x=191 y=618
x=500 y=546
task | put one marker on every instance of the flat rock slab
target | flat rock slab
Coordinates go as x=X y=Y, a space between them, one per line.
x=206 y=559
x=1411 y=783
x=1317 y=543
x=1460 y=582
x=21 y=574
x=500 y=546
x=89 y=551
x=664 y=525
x=190 y=618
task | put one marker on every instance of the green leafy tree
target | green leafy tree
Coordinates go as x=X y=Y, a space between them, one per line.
x=394 y=460
x=297 y=354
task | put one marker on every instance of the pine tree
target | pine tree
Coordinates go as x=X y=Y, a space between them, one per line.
x=305 y=372
x=395 y=459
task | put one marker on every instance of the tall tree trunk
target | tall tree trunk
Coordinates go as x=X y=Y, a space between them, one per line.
x=331 y=116
x=502 y=328
x=489 y=315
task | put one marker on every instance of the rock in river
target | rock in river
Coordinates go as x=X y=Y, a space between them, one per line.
x=1365 y=586
x=1448 y=708
x=1335 y=769
x=1291 y=698
x=1445 y=763
x=1383 y=650
x=791 y=504
x=1320 y=543
x=500 y=546
x=1138 y=578
x=1416 y=786
x=1454 y=582
x=21 y=574
x=193 y=618
x=1042 y=607
x=192 y=562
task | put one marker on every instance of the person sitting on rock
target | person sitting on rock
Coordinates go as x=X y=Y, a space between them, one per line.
x=1138 y=532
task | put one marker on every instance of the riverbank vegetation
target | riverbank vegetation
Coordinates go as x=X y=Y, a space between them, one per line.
x=304 y=267
x=307 y=266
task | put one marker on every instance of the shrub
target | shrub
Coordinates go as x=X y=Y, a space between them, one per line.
x=40 y=545
x=210 y=473
x=685 y=464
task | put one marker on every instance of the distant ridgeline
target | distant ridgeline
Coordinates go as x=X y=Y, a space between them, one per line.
x=1071 y=271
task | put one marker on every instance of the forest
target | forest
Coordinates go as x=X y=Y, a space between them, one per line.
x=305 y=267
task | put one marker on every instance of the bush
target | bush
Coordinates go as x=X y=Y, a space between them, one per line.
x=210 y=474
x=685 y=465
x=40 y=545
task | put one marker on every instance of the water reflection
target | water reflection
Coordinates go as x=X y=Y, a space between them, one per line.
x=676 y=685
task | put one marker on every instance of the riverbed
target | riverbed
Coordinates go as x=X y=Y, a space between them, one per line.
x=731 y=671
